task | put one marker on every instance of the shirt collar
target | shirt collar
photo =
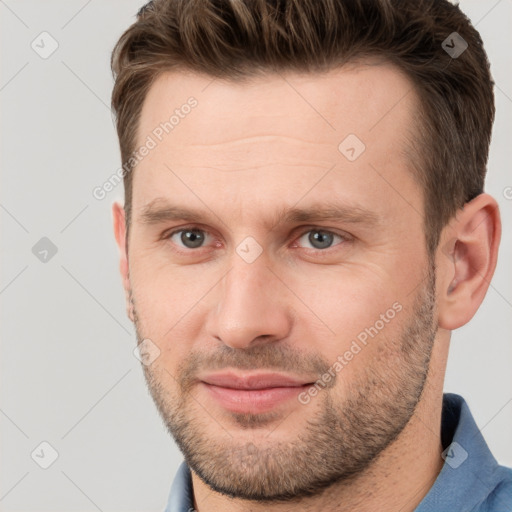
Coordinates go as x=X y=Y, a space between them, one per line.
x=470 y=472
x=181 y=496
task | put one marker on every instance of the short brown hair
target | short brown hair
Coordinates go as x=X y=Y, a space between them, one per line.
x=236 y=39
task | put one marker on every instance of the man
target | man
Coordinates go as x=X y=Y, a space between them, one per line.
x=304 y=225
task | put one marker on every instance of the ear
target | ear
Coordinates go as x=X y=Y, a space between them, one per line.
x=466 y=260
x=119 y=220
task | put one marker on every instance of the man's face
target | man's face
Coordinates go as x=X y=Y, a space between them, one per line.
x=245 y=287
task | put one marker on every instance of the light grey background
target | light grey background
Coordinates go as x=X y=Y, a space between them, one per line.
x=68 y=374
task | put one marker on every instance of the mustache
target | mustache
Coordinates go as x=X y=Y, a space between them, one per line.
x=276 y=357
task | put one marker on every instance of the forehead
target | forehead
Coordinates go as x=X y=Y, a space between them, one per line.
x=287 y=127
x=358 y=98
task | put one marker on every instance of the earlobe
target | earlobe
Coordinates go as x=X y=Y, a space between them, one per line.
x=119 y=221
x=466 y=260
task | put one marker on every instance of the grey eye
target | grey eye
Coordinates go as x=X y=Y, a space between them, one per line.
x=190 y=238
x=320 y=239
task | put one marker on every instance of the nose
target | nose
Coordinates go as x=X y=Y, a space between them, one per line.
x=250 y=306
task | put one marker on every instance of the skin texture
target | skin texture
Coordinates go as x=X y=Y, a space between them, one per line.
x=249 y=151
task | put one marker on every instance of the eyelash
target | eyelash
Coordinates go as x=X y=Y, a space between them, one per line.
x=344 y=238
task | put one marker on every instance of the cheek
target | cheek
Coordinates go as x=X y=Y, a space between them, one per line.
x=167 y=303
x=352 y=314
x=166 y=288
x=346 y=299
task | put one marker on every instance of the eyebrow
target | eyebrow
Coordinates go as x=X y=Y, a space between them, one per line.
x=159 y=211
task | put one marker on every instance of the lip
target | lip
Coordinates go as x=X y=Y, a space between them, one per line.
x=253 y=381
x=252 y=393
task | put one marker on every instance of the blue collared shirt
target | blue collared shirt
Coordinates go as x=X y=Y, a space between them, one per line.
x=471 y=480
